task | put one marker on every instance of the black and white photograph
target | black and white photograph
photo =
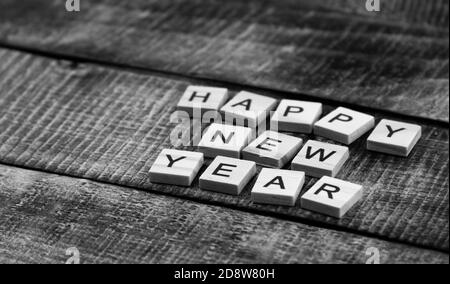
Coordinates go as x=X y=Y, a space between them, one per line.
x=224 y=139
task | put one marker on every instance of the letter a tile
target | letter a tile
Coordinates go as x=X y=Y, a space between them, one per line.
x=227 y=175
x=176 y=167
x=332 y=197
x=248 y=109
x=318 y=159
x=278 y=187
x=224 y=140
x=344 y=125
x=395 y=138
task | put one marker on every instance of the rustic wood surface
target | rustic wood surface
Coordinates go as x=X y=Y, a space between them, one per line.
x=108 y=125
x=42 y=215
x=396 y=60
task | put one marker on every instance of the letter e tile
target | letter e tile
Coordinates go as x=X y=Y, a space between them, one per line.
x=227 y=175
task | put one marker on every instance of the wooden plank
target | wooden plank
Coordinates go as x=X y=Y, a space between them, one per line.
x=396 y=60
x=42 y=215
x=109 y=125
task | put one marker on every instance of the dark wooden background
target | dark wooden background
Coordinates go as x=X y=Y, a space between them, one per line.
x=85 y=105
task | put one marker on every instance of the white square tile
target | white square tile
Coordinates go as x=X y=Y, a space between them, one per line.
x=332 y=197
x=272 y=149
x=344 y=125
x=224 y=140
x=248 y=109
x=395 y=138
x=227 y=175
x=277 y=187
x=296 y=116
x=176 y=167
x=318 y=159
x=202 y=99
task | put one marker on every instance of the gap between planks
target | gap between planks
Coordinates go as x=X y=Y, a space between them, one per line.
x=281 y=217
x=213 y=82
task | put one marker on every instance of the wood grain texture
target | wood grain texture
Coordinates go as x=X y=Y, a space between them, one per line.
x=396 y=60
x=42 y=215
x=109 y=125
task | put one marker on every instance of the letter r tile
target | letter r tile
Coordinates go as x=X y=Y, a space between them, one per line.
x=227 y=175
x=332 y=197
x=176 y=167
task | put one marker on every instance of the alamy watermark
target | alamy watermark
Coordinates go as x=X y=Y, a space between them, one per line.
x=190 y=127
x=74 y=255
x=73 y=6
x=373 y=5
x=374 y=255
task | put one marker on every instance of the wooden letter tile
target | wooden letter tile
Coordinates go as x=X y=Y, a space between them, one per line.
x=202 y=99
x=227 y=175
x=296 y=116
x=272 y=149
x=176 y=167
x=278 y=187
x=332 y=197
x=318 y=159
x=224 y=140
x=395 y=138
x=344 y=125
x=248 y=109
